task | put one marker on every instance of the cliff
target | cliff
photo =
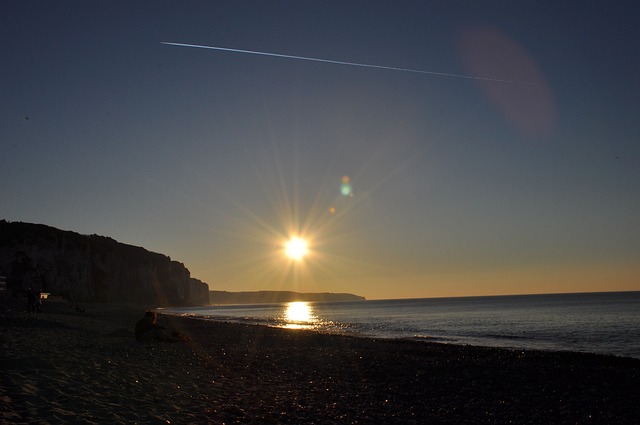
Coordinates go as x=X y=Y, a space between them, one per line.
x=262 y=297
x=93 y=268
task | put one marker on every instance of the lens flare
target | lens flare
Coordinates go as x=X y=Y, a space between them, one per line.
x=345 y=186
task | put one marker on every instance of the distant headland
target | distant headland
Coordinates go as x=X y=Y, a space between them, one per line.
x=266 y=297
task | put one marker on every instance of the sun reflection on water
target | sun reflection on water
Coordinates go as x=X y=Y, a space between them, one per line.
x=299 y=315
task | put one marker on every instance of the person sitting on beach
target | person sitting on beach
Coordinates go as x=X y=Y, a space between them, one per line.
x=147 y=329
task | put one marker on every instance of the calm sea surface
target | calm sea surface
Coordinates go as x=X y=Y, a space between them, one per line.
x=606 y=323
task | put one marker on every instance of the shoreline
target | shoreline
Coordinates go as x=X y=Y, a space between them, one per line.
x=444 y=340
x=61 y=366
x=551 y=323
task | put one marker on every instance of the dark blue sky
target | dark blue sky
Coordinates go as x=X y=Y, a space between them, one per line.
x=460 y=186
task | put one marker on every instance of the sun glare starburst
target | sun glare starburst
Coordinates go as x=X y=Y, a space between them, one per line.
x=296 y=248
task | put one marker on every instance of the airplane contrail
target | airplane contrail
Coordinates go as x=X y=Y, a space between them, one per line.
x=416 y=71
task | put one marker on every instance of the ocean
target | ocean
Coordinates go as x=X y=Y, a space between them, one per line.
x=604 y=323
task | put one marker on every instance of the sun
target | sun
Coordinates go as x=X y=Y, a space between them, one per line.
x=296 y=248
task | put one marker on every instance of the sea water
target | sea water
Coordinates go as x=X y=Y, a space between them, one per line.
x=605 y=323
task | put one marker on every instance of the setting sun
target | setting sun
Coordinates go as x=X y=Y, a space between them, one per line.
x=296 y=248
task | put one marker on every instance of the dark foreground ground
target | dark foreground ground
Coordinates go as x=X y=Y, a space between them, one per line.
x=62 y=366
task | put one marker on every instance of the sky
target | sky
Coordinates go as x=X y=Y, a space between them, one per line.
x=404 y=184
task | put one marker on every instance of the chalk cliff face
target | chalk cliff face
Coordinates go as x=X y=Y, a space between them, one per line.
x=93 y=268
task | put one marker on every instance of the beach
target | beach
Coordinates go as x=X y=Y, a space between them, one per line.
x=65 y=366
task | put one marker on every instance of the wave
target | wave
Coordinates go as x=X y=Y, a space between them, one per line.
x=503 y=336
x=431 y=338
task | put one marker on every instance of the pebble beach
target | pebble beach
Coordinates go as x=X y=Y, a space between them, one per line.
x=65 y=366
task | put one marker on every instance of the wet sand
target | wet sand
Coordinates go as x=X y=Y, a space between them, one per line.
x=61 y=366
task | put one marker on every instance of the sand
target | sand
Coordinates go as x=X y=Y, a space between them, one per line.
x=61 y=366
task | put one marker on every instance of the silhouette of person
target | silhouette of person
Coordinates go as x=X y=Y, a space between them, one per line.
x=147 y=329
x=31 y=301
x=39 y=302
